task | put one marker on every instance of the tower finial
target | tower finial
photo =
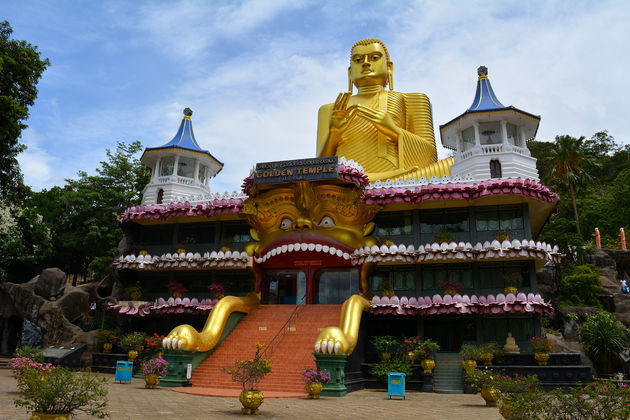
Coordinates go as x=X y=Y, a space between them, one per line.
x=188 y=112
x=482 y=71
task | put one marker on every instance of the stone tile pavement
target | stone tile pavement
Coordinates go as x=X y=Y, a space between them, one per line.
x=134 y=402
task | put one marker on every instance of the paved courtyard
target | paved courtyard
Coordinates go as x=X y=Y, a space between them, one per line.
x=133 y=401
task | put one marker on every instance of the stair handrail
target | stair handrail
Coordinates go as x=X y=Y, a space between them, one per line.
x=267 y=352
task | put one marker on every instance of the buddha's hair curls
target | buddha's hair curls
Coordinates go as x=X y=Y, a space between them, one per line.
x=368 y=42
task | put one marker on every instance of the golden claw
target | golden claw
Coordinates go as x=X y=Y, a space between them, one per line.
x=343 y=339
x=185 y=337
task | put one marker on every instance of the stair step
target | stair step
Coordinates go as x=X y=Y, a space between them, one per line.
x=291 y=354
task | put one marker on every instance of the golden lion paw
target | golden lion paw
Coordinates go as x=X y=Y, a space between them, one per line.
x=183 y=337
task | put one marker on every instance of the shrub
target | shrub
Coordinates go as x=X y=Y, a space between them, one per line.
x=470 y=352
x=313 y=375
x=484 y=378
x=36 y=355
x=156 y=367
x=61 y=391
x=131 y=341
x=249 y=372
x=580 y=286
x=398 y=364
x=385 y=343
x=597 y=401
x=603 y=337
x=107 y=336
x=542 y=345
x=22 y=364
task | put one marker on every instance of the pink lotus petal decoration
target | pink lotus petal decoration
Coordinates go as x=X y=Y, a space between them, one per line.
x=441 y=305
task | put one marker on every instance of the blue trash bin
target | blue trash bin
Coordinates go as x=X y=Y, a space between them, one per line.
x=395 y=385
x=124 y=370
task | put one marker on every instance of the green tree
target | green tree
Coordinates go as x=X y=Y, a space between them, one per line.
x=568 y=168
x=21 y=67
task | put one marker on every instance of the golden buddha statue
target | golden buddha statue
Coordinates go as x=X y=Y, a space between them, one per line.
x=389 y=133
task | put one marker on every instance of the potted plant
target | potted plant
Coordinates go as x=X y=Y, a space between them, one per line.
x=177 y=289
x=470 y=354
x=134 y=292
x=249 y=373
x=511 y=387
x=410 y=348
x=385 y=285
x=218 y=290
x=60 y=393
x=22 y=364
x=154 y=344
x=426 y=350
x=152 y=370
x=511 y=282
x=487 y=382
x=132 y=343
x=313 y=380
x=542 y=346
x=384 y=344
x=451 y=287
x=488 y=352
x=107 y=337
x=445 y=235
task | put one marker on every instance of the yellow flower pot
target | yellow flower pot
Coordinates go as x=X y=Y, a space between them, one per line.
x=107 y=347
x=132 y=355
x=428 y=365
x=313 y=389
x=251 y=400
x=506 y=408
x=541 y=358
x=469 y=365
x=490 y=395
x=42 y=416
x=510 y=289
x=151 y=381
x=451 y=292
x=384 y=356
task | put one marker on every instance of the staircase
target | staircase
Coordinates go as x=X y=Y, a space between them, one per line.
x=292 y=353
x=447 y=375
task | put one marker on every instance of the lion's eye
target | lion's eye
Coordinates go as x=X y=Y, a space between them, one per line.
x=286 y=224
x=327 y=221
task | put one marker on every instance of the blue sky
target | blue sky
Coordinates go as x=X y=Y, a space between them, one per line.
x=255 y=72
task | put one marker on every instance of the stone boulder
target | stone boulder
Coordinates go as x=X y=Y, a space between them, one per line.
x=600 y=259
x=51 y=283
x=63 y=322
x=622 y=308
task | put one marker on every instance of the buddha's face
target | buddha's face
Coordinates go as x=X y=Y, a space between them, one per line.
x=368 y=65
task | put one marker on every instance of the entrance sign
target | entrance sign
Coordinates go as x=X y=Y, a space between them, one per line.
x=296 y=170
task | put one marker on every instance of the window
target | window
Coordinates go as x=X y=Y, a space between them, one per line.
x=167 y=165
x=488 y=219
x=468 y=138
x=335 y=286
x=235 y=235
x=434 y=222
x=186 y=167
x=511 y=135
x=400 y=279
x=431 y=276
x=495 y=168
x=202 y=174
x=499 y=275
x=490 y=133
x=392 y=225
x=160 y=196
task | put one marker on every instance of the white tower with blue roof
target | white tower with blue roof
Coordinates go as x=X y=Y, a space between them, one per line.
x=490 y=139
x=180 y=169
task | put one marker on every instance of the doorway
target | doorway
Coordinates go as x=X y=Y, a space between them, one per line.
x=284 y=287
x=450 y=333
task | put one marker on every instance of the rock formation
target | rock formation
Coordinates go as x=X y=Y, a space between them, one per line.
x=61 y=311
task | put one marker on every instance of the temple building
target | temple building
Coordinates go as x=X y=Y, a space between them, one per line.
x=318 y=255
